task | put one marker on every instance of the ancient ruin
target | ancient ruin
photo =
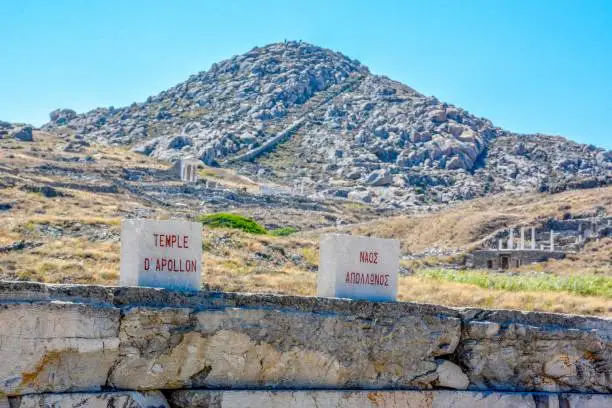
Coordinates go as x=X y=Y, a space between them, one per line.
x=186 y=170
x=515 y=253
x=505 y=250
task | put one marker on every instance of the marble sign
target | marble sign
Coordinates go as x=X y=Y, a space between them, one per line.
x=358 y=267
x=161 y=254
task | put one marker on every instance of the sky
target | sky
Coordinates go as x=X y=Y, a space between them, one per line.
x=528 y=66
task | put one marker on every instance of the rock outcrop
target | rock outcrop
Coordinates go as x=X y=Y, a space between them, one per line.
x=340 y=126
x=23 y=133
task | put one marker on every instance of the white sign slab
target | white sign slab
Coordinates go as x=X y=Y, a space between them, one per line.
x=162 y=254
x=358 y=267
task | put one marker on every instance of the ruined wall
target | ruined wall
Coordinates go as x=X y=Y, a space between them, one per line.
x=480 y=258
x=93 y=339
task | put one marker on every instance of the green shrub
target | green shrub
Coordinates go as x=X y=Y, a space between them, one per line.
x=225 y=220
x=283 y=232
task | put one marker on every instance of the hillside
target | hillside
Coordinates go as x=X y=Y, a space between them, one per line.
x=61 y=204
x=293 y=113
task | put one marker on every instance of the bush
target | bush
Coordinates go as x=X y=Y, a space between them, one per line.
x=225 y=220
x=283 y=232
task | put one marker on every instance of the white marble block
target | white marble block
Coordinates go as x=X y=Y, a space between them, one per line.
x=161 y=254
x=358 y=267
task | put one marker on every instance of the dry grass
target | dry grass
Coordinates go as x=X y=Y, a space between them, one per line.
x=464 y=224
x=420 y=289
x=236 y=261
x=594 y=259
x=228 y=178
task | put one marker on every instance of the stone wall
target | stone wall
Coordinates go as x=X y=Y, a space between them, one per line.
x=516 y=257
x=93 y=340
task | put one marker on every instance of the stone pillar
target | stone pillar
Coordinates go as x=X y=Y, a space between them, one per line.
x=187 y=176
x=511 y=239
x=533 y=238
x=500 y=244
x=522 y=237
x=552 y=240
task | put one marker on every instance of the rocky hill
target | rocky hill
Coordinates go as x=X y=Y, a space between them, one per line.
x=293 y=113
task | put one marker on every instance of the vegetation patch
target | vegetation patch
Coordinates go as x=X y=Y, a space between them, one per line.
x=283 y=232
x=233 y=221
x=583 y=285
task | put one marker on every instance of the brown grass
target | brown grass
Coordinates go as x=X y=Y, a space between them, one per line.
x=464 y=224
x=236 y=261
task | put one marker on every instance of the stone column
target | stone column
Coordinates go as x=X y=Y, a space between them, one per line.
x=533 y=238
x=187 y=177
x=522 y=237
x=511 y=239
x=552 y=240
x=501 y=244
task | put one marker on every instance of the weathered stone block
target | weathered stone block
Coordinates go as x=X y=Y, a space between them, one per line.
x=450 y=375
x=251 y=348
x=56 y=346
x=63 y=338
x=536 y=351
x=123 y=399
x=380 y=399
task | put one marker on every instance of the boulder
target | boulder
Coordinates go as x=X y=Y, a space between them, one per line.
x=365 y=196
x=207 y=155
x=450 y=375
x=62 y=116
x=379 y=178
x=178 y=142
x=147 y=147
x=437 y=115
x=519 y=149
x=455 y=163
x=353 y=174
x=23 y=133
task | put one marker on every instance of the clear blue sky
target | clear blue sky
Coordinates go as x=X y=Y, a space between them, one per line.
x=529 y=66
